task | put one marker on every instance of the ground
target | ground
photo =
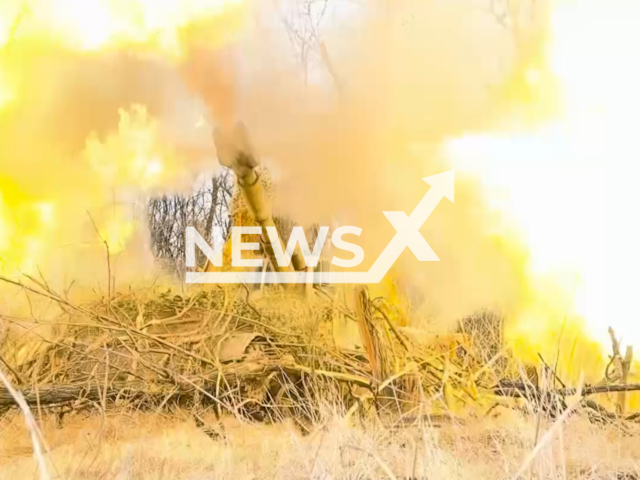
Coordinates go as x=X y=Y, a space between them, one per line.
x=157 y=446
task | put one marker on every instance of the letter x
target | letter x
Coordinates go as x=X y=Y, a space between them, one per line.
x=408 y=234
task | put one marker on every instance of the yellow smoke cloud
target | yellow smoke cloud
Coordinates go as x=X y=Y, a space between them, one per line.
x=79 y=148
x=403 y=87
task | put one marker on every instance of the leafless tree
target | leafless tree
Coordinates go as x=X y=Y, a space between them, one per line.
x=302 y=20
x=522 y=18
x=169 y=216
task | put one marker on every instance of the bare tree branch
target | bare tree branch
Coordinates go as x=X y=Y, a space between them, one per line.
x=169 y=216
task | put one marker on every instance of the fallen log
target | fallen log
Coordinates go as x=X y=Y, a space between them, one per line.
x=53 y=394
x=47 y=395
x=508 y=388
x=240 y=374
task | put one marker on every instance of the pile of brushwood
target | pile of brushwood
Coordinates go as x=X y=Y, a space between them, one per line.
x=264 y=357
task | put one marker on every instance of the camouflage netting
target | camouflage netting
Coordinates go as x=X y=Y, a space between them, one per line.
x=217 y=346
x=241 y=215
x=264 y=355
x=239 y=210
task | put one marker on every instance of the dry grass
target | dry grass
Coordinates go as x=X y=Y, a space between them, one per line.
x=147 y=446
x=302 y=382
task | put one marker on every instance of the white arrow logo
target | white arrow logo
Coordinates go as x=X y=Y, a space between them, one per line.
x=407 y=228
x=407 y=235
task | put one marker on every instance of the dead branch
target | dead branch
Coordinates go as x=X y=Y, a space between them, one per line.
x=508 y=388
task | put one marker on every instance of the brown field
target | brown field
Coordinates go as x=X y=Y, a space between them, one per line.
x=158 y=446
x=323 y=432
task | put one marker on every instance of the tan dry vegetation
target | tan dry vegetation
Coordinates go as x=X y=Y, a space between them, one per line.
x=275 y=426
x=147 y=446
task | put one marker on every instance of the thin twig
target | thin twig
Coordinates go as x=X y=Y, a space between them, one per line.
x=32 y=426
